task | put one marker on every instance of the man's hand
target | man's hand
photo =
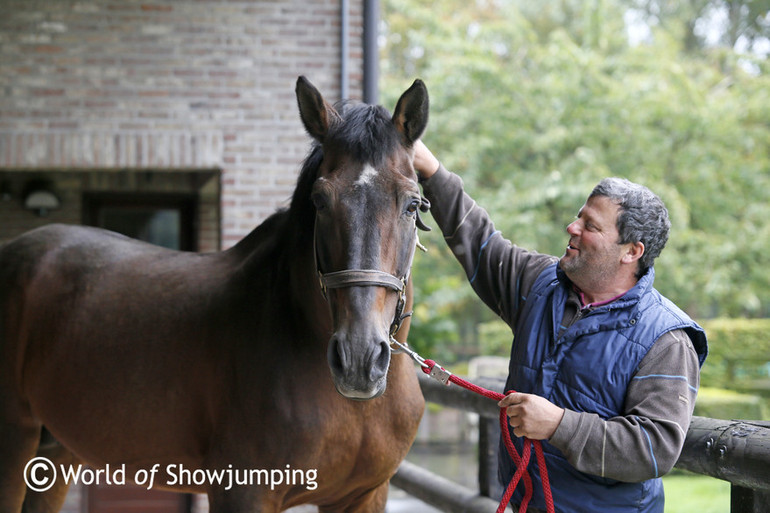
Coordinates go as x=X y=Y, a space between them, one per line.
x=532 y=416
x=425 y=163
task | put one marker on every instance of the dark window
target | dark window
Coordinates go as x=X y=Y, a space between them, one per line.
x=165 y=220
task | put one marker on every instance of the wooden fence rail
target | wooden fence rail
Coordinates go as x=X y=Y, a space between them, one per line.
x=731 y=450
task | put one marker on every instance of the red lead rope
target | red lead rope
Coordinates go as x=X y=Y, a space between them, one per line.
x=522 y=461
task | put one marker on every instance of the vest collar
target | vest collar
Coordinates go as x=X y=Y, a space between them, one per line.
x=631 y=296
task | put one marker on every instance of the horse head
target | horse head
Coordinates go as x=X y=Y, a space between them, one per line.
x=367 y=202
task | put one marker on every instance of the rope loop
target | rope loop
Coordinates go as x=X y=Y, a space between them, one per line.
x=436 y=371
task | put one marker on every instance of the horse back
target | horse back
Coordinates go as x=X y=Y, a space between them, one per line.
x=102 y=317
x=34 y=265
x=52 y=270
x=53 y=248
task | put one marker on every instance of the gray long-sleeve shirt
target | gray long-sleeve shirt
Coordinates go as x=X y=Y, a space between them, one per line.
x=646 y=440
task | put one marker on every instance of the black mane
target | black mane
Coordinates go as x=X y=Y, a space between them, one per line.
x=301 y=208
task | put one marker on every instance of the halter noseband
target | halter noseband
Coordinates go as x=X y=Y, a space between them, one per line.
x=375 y=277
x=359 y=277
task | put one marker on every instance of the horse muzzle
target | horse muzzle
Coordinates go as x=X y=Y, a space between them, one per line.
x=359 y=367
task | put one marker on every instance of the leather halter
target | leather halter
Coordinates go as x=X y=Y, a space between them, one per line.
x=359 y=277
x=374 y=277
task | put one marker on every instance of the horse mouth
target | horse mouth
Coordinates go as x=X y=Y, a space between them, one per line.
x=358 y=394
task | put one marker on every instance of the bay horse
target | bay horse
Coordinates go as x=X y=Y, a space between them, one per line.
x=273 y=355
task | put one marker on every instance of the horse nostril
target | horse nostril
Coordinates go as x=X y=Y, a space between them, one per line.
x=380 y=361
x=335 y=356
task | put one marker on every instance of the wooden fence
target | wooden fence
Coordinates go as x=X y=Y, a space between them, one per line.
x=731 y=450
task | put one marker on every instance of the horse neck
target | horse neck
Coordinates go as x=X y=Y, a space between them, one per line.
x=299 y=249
x=304 y=285
x=276 y=259
x=280 y=252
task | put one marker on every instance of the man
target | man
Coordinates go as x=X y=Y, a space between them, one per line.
x=605 y=369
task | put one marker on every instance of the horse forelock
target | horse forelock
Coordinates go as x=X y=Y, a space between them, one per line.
x=366 y=133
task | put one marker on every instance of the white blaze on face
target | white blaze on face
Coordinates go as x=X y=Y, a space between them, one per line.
x=367 y=176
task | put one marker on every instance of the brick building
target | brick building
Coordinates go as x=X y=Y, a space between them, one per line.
x=146 y=100
x=146 y=116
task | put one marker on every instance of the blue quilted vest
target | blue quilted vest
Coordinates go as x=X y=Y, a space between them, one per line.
x=588 y=370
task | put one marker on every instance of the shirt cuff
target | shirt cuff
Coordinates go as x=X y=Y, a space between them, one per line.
x=440 y=175
x=566 y=429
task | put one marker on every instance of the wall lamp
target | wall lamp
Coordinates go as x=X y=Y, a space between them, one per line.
x=39 y=198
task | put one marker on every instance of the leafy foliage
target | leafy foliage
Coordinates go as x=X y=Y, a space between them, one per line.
x=532 y=104
x=739 y=354
x=728 y=404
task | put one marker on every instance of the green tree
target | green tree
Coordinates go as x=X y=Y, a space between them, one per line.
x=532 y=104
x=735 y=24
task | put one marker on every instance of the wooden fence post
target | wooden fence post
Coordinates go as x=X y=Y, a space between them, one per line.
x=489 y=448
x=747 y=500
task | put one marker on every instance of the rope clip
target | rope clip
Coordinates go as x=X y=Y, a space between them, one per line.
x=439 y=373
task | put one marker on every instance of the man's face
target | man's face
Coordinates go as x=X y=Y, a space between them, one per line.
x=593 y=254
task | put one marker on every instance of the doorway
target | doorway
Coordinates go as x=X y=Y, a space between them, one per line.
x=166 y=220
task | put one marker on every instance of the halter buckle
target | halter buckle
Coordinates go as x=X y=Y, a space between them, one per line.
x=322 y=283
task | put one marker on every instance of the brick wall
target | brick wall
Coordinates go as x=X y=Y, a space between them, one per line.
x=101 y=95
x=168 y=85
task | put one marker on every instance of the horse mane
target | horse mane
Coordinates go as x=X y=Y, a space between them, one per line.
x=301 y=210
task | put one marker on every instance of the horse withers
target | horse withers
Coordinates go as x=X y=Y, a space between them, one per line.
x=268 y=364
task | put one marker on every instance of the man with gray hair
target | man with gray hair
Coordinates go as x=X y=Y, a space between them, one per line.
x=605 y=369
x=642 y=217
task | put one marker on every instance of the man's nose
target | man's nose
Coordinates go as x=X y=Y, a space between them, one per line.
x=574 y=227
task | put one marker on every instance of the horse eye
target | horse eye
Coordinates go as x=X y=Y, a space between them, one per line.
x=413 y=206
x=319 y=201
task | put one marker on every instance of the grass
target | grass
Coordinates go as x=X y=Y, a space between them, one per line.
x=687 y=492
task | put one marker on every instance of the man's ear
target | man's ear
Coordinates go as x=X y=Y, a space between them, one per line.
x=633 y=253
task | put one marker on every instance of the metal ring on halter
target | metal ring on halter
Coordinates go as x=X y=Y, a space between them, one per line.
x=402 y=348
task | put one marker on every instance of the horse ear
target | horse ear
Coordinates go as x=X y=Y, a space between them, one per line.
x=316 y=114
x=411 y=114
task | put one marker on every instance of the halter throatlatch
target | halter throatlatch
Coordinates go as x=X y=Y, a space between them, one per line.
x=375 y=277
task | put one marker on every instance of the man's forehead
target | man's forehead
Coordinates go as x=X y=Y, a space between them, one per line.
x=600 y=207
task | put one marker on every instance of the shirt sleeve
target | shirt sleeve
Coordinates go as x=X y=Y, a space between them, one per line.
x=499 y=271
x=646 y=441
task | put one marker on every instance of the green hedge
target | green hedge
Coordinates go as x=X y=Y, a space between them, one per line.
x=739 y=353
x=745 y=337
x=727 y=404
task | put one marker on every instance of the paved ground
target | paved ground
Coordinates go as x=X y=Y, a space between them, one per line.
x=398 y=502
x=402 y=502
